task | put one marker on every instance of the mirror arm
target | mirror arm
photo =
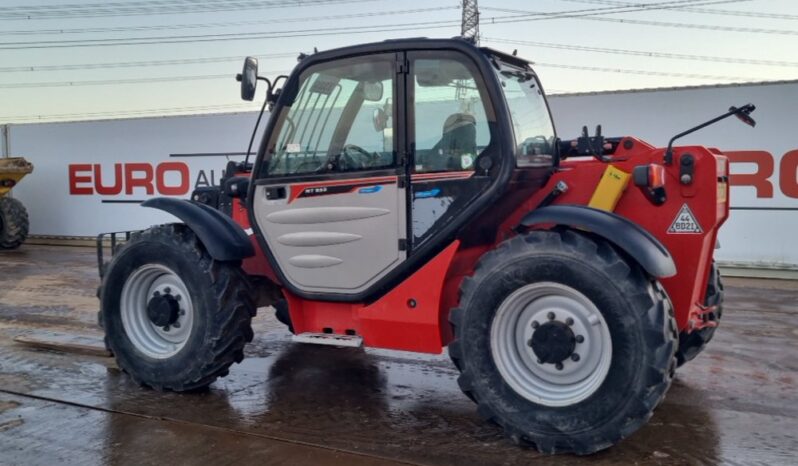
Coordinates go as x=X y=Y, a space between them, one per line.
x=744 y=110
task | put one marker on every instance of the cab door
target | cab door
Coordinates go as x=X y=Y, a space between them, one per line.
x=330 y=198
x=451 y=130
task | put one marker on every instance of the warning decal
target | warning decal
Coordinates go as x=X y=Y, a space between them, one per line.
x=685 y=223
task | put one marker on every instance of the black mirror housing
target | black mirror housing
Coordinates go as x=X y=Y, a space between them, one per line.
x=249 y=78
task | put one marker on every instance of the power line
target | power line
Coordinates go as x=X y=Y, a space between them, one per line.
x=105 y=82
x=662 y=23
x=707 y=27
x=646 y=72
x=122 y=113
x=133 y=64
x=220 y=24
x=229 y=76
x=348 y=30
x=154 y=7
x=644 y=53
x=713 y=11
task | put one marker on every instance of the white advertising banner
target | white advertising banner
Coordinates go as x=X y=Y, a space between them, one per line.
x=90 y=176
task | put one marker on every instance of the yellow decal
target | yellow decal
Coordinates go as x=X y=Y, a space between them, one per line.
x=609 y=190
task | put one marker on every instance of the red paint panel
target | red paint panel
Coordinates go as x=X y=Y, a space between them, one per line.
x=391 y=322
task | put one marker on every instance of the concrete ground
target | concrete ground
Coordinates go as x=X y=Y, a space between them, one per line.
x=298 y=404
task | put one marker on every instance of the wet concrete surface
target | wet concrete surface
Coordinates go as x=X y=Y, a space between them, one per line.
x=299 y=404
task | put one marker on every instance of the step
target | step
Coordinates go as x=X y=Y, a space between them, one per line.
x=332 y=339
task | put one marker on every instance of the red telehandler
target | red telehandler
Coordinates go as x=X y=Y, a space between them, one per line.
x=412 y=195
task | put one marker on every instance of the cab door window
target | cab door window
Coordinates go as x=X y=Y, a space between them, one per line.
x=339 y=121
x=451 y=132
x=451 y=124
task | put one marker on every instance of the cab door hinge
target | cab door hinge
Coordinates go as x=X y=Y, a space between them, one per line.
x=402 y=244
x=401 y=67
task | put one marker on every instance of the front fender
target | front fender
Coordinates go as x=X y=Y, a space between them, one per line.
x=638 y=243
x=224 y=239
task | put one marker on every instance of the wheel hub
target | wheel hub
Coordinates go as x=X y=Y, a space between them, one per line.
x=163 y=310
x=157 y=311
x=553 y=342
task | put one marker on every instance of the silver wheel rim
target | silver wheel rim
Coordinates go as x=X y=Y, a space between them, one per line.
x=543 y=383
x=152 y=340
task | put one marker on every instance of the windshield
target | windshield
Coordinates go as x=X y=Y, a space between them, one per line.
x=534 y=132
x=340 y=120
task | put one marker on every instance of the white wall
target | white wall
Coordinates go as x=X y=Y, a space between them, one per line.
x=750 y=236
x=53 y=147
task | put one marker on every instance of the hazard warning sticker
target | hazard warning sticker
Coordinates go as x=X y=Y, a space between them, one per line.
x=685 y=223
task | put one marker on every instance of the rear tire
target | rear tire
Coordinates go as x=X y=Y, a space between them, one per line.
x=13 y=223
x=570 y=408
x=174 y=318
x=693 y=343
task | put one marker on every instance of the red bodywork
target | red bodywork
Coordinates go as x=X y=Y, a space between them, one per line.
x=413 y=316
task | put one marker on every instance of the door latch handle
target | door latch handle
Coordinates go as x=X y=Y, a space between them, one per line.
x=275 y=192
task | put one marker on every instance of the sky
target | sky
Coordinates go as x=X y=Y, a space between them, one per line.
x=64 y=60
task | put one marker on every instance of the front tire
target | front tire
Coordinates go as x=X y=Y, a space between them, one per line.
x=174 y=318
x=13 y=223
x=563 y=342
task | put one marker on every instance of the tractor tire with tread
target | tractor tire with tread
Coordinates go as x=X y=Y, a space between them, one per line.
x=13 y=223
x=222 y=302
x=641 y=326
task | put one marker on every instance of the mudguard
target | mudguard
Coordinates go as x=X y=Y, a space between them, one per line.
x=638 y=243
x=224 y=239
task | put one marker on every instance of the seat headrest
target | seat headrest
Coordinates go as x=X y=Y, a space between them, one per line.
x=457 y=120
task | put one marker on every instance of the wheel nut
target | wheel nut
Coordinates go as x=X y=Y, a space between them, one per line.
x=558 y=366
x=550 y=315
x=156 y=294
x=166 y=328
x=580 y=338
x=167 y=290
x=535 y=324
x=569 y=321
x=181 y=313
x=178 y=297
x=176 y=325
x=575 y=357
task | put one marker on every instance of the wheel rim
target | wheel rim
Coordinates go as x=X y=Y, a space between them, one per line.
x=149 y=282
x=577 y=324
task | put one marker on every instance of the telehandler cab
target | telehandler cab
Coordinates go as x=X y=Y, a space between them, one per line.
x=412 y=195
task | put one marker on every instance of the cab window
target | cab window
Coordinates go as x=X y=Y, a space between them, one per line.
x=451 y=125
x=339 y=121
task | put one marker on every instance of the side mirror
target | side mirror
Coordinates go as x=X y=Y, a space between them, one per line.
x=236 y=186
x=744 y=114
x=249 y=78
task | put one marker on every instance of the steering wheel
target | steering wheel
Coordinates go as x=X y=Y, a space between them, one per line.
x=356 y=157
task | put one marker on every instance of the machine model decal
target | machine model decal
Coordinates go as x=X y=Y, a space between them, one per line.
x=363 y=186
x=685 y=223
